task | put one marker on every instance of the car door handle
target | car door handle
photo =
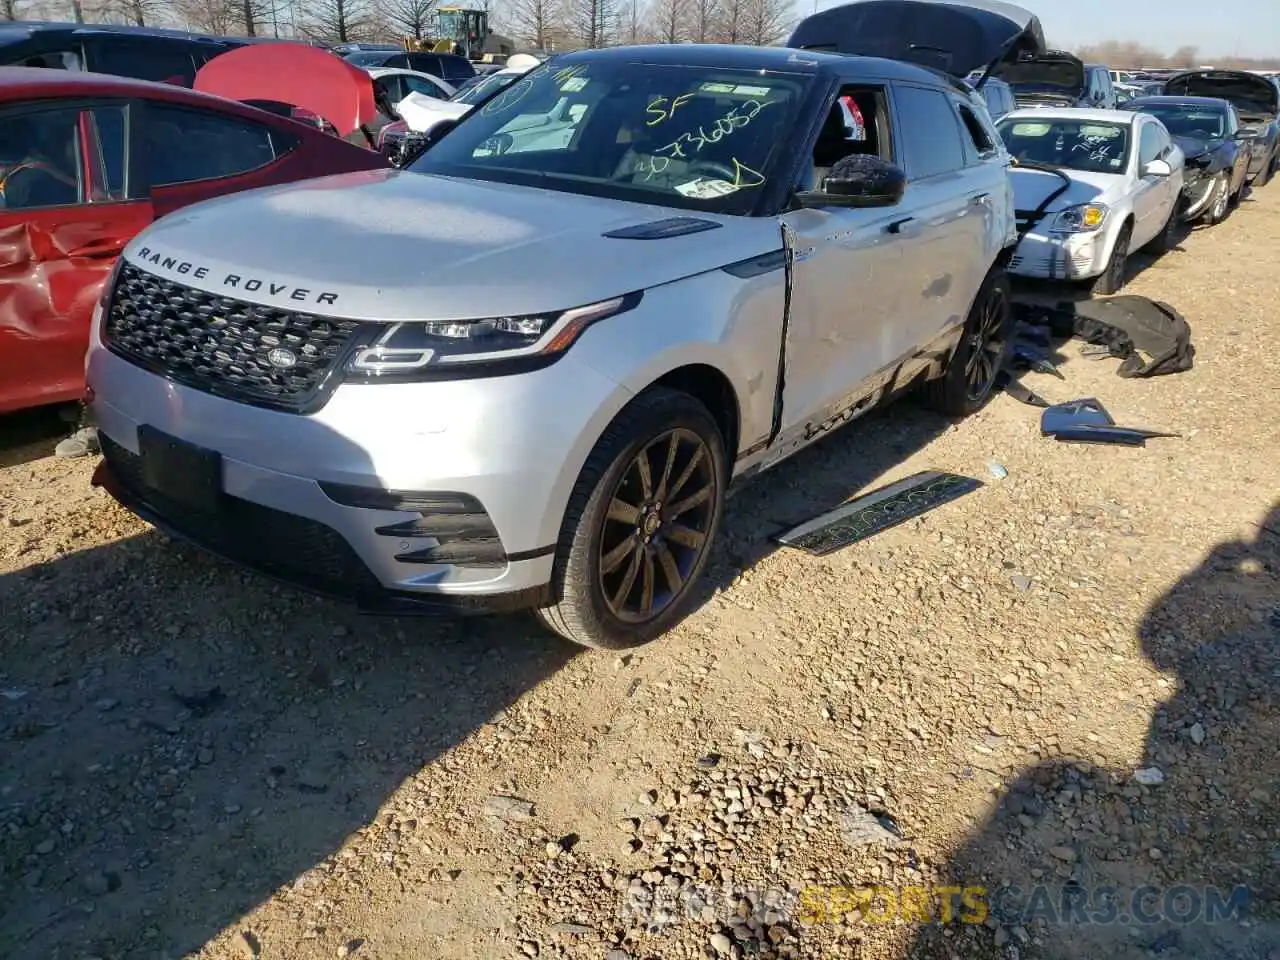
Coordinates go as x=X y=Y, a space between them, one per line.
x=905 y=227
x=100 y=249
x=980 y=199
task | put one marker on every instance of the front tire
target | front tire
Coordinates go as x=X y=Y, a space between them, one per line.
x=640 y=524
x=1220 y=206
x=970 y=377
x=1113 y=277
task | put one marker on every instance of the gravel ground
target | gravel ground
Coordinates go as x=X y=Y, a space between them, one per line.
x=1065 y=677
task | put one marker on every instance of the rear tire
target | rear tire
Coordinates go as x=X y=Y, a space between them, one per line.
x=1267 y=172
x=660 y=461
x=970 y=377
x=1113 y=277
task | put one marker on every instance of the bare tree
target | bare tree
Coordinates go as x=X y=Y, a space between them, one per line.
x=12 y=9
x=592 y=22
x=138 y=12
x=669 y=20
x=338 y=20
x=209 y=16
x=409 y=17
x=731 y=15
x=702 y=19
x=765 y=22
x=631 y=22
x=533 y=22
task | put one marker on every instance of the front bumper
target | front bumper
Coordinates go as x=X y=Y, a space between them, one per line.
x=1045 y=256
x=1198 y=195
x=320 y=500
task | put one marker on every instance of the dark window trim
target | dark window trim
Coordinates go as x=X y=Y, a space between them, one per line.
x=980 y=155
x=275 y=136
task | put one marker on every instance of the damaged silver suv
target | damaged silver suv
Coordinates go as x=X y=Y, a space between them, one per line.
x=525 y=372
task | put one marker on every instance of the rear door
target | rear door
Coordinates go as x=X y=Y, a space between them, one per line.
x=68 y=205
x=192 y=154
x=949 y=199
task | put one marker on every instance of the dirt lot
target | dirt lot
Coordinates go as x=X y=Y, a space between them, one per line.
x=195 y=761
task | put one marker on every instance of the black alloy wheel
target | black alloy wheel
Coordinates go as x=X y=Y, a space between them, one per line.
x=657 y=526
x=988 y=343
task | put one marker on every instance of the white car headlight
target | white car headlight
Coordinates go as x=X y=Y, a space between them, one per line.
x=422 y=349
x=1083 y=218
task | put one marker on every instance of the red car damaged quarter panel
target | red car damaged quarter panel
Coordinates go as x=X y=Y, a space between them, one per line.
x=55 y=259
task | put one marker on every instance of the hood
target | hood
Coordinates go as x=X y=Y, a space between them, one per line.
x=1248 y=92
x=1193 y=147
x=954 y=36
x=395 y=245
x=296 y=75
x=420 y=112
x=1054 y=71
x=1030 y=187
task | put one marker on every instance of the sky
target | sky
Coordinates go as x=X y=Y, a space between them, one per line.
x=1246 y=28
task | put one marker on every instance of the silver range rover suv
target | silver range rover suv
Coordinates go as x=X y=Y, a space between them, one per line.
x=524 y=372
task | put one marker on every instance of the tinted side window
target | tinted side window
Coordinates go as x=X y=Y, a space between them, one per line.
x=978 y=142
x=40 y=159
x=456 y=69
x=400 y=60
x=185 y=145
x=159 y=60
x=424 y=87
x=930 y=132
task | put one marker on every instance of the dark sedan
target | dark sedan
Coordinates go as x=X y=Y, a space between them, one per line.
x=1217 y=147
x=1257 y=101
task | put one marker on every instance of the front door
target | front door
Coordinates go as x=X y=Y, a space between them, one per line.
x=847 y=279
x=66 y=212
x=1149 y=206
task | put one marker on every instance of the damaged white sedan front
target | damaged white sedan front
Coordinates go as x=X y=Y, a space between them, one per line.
x=1090 y=187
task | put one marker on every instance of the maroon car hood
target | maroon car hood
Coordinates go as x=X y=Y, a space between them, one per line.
x=298 y=75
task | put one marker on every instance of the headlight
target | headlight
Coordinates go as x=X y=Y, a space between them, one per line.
x=421 y=349
x=1080 y=219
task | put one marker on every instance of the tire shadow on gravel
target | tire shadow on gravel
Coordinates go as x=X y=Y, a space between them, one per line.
x=1081 y=863
x=179 y=739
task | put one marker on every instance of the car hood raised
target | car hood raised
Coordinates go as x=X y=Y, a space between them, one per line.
x=1250 y=93
x=1054 y=71
x=297 y=75
x=1030 y=187
x=394 y=245
x=955 y=36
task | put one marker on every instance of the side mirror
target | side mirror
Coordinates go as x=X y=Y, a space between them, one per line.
x=1157 y=168
x=858 y=180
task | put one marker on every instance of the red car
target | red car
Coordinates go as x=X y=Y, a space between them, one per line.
x=88 y=160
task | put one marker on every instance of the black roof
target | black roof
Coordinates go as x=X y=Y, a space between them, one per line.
x=16 y=30
x=776 y=59
x=1179 y=102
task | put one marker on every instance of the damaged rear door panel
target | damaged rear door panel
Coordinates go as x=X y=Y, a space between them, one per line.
x=66 y=214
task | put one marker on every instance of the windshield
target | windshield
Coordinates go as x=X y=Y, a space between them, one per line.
x=702 y=138
x=1043 y=75
x=1196 y=122
x=1087 y=146
x=481 y=85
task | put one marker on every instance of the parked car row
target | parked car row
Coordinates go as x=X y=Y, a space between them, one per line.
x=525 y=371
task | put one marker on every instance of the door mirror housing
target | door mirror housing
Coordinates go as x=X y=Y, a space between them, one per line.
x=859 y=180
x=1157 y=168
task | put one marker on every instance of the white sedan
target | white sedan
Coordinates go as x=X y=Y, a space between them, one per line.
x=399 y=83
x=1090 y=186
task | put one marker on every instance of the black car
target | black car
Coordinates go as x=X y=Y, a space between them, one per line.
x=1257 y=101
x=1057 y=78
x=450 y=67
x=1217 y=147
x=144 y=53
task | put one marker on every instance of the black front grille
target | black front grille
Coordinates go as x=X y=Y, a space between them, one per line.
x=283 y=545
x=222 y=346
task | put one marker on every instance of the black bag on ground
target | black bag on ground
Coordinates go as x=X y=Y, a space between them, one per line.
x=1151 y=337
